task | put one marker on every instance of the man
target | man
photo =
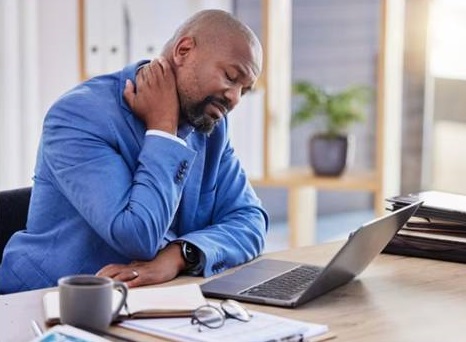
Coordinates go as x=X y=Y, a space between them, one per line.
x=135 y=176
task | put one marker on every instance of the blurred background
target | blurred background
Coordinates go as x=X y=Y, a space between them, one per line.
x=410 y=53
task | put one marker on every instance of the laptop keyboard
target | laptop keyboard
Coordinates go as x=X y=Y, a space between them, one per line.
x=287 y=285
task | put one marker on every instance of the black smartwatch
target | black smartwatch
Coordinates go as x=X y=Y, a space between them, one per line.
x=190 y=254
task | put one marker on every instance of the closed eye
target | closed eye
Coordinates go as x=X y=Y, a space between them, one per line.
x=229 y=78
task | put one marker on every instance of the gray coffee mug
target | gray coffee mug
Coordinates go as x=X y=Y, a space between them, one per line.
x=87 y=300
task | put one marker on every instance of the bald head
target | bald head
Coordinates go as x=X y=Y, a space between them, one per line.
x=213 y=27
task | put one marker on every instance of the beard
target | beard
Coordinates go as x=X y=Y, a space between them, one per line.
x=197 y=116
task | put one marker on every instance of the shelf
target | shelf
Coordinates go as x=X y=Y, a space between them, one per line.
x=302 y=186
x=300 y=183
x=364 y=180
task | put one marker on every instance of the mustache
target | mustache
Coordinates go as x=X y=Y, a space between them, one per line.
x=224 y=103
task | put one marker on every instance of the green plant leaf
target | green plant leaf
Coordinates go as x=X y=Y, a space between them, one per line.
x=340 y=109
x=313 y=99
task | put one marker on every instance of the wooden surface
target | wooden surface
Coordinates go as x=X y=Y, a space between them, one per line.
x=395 y=299
x=352 y=180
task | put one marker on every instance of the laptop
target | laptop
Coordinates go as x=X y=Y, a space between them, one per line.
x=289 y=284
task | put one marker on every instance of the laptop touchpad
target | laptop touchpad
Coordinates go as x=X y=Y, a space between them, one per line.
x=250 y=275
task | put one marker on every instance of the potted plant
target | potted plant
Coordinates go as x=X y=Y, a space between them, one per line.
x=329 y=147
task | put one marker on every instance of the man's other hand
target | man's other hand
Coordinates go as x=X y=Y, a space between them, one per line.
x=167 y=264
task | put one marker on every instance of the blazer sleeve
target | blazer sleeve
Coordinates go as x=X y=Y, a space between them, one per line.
x=130 y=207
x=239 y=223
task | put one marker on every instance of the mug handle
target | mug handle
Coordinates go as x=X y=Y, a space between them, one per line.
x=123 y=289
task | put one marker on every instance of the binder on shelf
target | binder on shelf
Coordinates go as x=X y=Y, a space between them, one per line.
x=94 y=37
x=114 y=47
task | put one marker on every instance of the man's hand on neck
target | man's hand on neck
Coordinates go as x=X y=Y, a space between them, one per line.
x=155 y=101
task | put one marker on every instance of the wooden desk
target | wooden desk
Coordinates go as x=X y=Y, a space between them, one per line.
x=395 y=299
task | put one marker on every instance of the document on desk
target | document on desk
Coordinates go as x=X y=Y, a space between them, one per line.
x=262 y=327
x=436 y=205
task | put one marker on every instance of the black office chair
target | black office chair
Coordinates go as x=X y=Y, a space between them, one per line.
x=14 y=206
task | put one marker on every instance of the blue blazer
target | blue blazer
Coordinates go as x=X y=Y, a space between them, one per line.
x=105 y=192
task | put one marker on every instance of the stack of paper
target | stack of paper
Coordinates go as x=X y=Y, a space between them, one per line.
x=262 y=327
x=436 y=205
x=437 y=230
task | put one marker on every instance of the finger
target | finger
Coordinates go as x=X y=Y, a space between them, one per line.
x=156 y=61
x=110 y=270
x=127 y=275
x=141 y=280
x=128 y=93
x=163 y=64
x=148 y=74
x=166 y=67
x=156 y=69
x=134 y=283
x=151 y=74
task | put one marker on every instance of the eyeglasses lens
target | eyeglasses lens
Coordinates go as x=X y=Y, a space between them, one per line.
x=208 y=316
x=235 y=310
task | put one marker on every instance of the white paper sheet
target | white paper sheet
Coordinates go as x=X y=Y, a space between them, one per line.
x=262 y=327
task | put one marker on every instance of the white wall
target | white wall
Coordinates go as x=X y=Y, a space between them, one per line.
x=38 y=62
x=448 y=162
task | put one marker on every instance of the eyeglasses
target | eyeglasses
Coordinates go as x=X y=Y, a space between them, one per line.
x=214 y=317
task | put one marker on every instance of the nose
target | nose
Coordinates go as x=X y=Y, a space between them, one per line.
x=233 y=94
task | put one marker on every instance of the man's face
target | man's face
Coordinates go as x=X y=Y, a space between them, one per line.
x=212 y=82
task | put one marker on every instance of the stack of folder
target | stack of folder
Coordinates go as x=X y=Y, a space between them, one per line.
x=437 y=230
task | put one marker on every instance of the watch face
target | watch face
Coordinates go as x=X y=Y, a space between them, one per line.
x=190 y=253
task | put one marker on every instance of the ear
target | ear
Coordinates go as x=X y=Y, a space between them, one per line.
x=183 y=49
